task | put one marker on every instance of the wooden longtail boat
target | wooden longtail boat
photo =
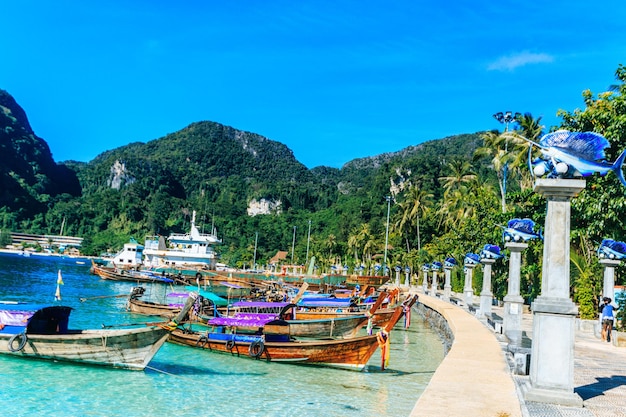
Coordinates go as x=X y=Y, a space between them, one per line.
x=209 y=303
x=276 y=346
x=130 y=275
x=380 y=316
x=334 y=327
x=262 y=313
x=42 y=332
x=34 y=331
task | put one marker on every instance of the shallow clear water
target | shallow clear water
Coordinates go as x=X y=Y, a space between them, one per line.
x=182 y=381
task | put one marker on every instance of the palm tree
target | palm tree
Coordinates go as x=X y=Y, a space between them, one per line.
x=531 y=129
x=495 y=146
x=354 y=244
x=460 y=173
x=330 y=244
x=416 y=204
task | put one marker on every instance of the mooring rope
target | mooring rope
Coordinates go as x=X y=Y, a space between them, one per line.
x=161 y=371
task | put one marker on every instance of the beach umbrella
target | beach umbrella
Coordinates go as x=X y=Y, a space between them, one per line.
x=57 y=294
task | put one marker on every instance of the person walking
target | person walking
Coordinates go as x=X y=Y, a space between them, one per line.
x=608 y=317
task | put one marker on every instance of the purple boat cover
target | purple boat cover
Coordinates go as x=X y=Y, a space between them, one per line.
x=178 y=294
x=243 y=320
x=15 y=318
x=259 y=304
x=324 y=303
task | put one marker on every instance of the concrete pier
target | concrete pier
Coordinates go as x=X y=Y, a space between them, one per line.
x=476 y=378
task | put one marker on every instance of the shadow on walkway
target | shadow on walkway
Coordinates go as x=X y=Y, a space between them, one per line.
x=599 y=388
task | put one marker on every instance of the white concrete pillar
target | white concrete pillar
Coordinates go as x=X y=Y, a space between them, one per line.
x=407 y=276
x=447 y=287
x=433 y=287
x=554 y=313
x=468 y=291
x=397 y=269
x=486 y=296
x=608 y=289
x=425 y=271
x=513 y=301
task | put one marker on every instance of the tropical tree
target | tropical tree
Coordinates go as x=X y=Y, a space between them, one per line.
x=600 y=209
x=495 y=147
x=416 y=204
x=461 y=172
x=521 y=150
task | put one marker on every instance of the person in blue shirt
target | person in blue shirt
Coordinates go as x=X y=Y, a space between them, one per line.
x=607 y=318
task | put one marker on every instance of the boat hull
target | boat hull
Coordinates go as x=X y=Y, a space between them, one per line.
x=119 y=348
x=335 y=327
x=148 y=308
x=350 y=354
x=126 y=275
x=380 y=318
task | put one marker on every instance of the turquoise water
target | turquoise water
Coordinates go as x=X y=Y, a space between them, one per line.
x=182 y=381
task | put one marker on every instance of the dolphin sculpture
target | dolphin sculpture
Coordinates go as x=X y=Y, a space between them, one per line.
x=471 y=259
x=491 y=252
x=565 y=154
x=612 y=249
x=449 y=262
x=520 y=230
x=436 y=266
x=426 y=267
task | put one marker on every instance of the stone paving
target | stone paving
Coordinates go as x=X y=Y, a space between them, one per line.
x=599 y=377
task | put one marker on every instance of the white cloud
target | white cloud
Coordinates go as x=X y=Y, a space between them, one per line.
x=513 y=61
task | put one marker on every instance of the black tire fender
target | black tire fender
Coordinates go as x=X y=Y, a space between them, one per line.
x=22 y=343
x=256 y=349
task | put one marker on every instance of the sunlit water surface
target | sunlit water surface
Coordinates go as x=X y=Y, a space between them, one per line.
x=182 y=381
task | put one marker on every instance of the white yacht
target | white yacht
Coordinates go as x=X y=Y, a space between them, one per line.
x=193 y=249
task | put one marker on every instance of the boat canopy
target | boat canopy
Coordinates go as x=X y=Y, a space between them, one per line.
x=259 y=304
x=243 y=320
x=326 y=302
x=214 y=298
x=36 y=319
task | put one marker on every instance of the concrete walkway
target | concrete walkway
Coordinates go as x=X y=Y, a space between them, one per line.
x=476 y=378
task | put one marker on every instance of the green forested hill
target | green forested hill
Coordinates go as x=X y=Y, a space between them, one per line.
x=216 y=170
x=29 y=177
x=446 y=196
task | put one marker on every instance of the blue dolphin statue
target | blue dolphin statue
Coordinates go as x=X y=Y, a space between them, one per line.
x=520 y=230
x=570 y=152
x=450 y=262
x=612 y=249
x=471 y=259
x=491 y=252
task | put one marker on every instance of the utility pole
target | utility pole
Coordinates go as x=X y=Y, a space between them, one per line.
x=308 y=240
x=506 y=118
x=293 y=244
x=388 y=198
x=256 y=238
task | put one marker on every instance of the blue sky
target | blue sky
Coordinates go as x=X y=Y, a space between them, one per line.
x=333 y=80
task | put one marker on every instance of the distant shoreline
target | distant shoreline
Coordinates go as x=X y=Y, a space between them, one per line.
x=28 y=253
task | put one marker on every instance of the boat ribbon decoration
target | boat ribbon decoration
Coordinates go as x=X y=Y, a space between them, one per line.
x=520 y=230
x=383 y=342
x=612 y=249
x=566 y=154
x=490 y=252
x=57 y=293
